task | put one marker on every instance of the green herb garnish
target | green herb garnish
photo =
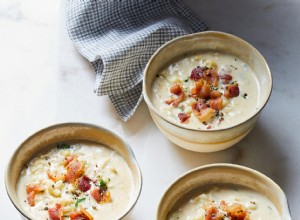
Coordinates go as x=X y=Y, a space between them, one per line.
x=78 y=201
x=61 y=146
x=103 y=185
x=187 y=79
x=181 y=108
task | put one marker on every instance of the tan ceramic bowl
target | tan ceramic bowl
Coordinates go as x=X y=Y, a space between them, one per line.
x=222 y=174
x=68 y=132
x=216 y=139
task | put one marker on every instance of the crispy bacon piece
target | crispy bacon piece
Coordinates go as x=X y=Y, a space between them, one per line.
x=204 y=93
x=199 y=105
x=212 y=77
x=212 y=213
x=236 y=211
x=203 y=112
x=215 y=94
x=216 y=104
x=56 y=177
x=201 y=90
x=101 y=196
x=225 y=78
x=183 y=117
x=195 y=90
x=30 y=198
x=69 y=159
x=31 y=190
x=84 y=183
x=176 y=90
x=232 y=90
x=74 y=170
x=56 y=213
x=81 y=215
x=197 y=73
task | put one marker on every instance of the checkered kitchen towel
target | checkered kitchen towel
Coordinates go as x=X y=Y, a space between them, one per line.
x=119 y=36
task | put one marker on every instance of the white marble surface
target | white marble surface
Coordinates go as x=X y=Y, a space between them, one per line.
x=45 y=81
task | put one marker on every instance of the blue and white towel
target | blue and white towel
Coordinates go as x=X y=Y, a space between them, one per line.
x=118 y=37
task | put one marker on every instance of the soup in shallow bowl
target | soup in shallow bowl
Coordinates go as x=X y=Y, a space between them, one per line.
x=205 y=91
x=223 y=192
x=73 y=171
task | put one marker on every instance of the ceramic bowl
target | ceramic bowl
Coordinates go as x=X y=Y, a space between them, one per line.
x=216 y=139
x=222 y=174
x=68 y=132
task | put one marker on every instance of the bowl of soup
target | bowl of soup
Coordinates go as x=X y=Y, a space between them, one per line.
x=205 y=91
x=73 y=171
x=223 y=191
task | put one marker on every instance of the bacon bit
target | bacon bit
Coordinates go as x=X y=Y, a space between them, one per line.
x=101 y=196
x=56 y=213
x=84 y=183
x=195 y=90
x=30 y=198
x=205 y=92
x=176 y=90
x=199 y=105
x=69 y=159
x=225 y=78
x=212 y=77
x=203 y=112
x=236 y=211
x=232 y=90
x=34 y=187
x=74 y=170
x=212 y=213
x=56 y=178
x=81 y=215
x=216 y=104
x=31 y=190
x=183 y=117
x=215 y=94
x=197 y=73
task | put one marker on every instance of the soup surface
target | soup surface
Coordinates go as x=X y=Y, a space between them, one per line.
x=76 y=181
x=225 y=203
x=208 y=90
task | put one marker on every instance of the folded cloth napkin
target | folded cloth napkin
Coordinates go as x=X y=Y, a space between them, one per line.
x=119 y=36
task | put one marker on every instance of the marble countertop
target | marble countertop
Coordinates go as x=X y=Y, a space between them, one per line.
x=45 y=81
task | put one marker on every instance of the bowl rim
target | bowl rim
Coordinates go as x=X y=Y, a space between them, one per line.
x=203 y=33
x=281 y=194
x=53 y=126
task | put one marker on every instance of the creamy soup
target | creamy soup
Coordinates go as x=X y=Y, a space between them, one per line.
x=225 y=203
x=76 y=181
x=206 y=91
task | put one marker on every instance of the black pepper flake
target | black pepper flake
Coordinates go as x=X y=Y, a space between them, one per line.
x=157 y=75
x=234 y=67
x=46 y=208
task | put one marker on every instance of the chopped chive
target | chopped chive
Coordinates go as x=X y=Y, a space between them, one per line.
x=103 y=185
x=78 y=201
